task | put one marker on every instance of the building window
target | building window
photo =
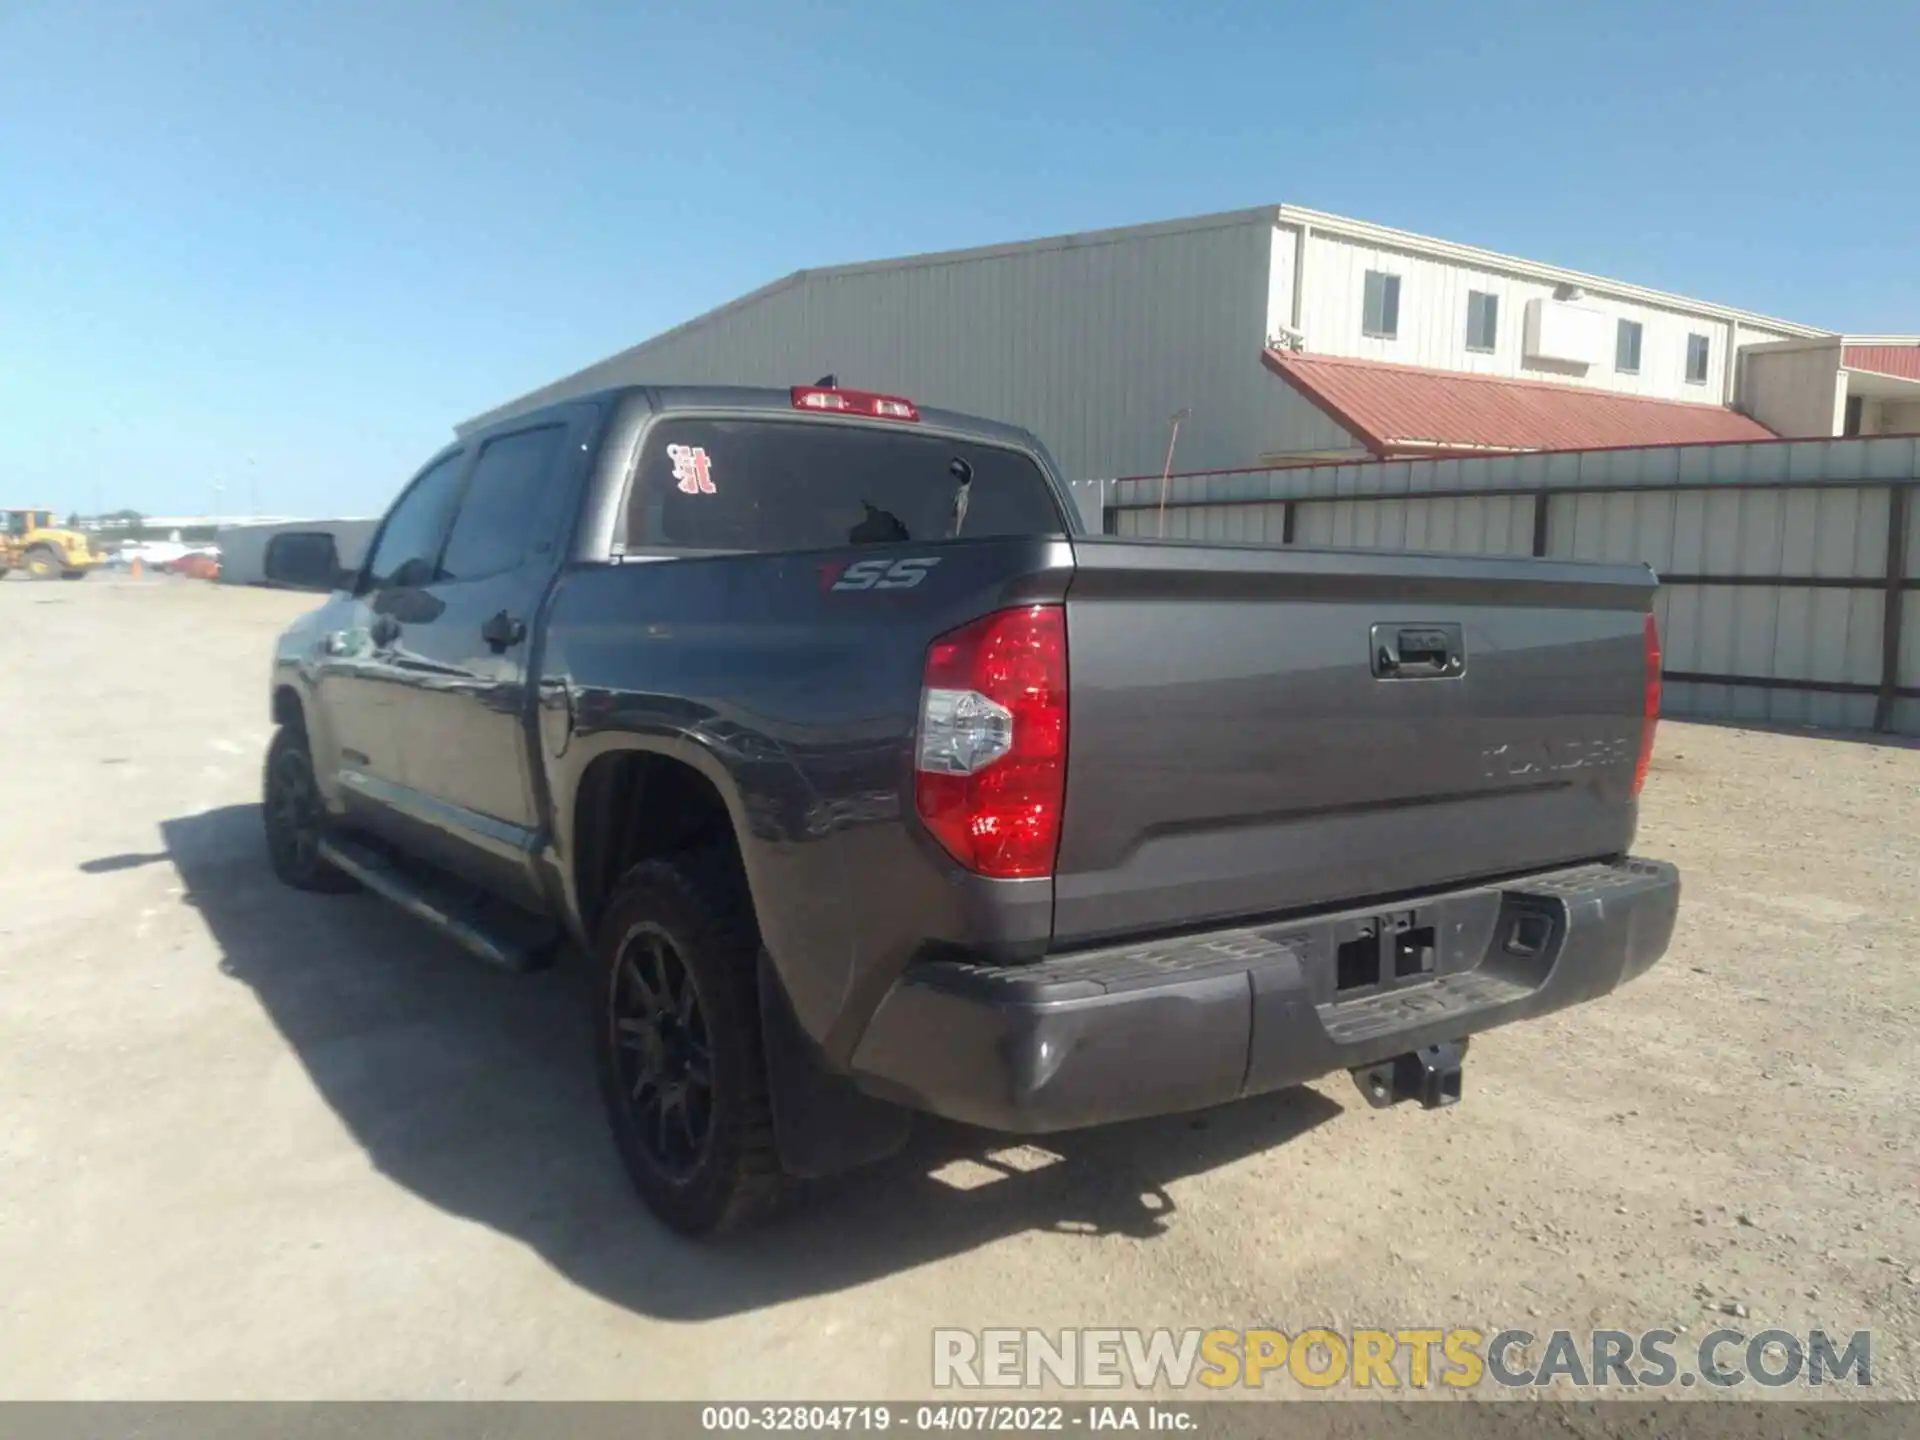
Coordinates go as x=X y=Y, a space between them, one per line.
x=1696 y=359
x=1483 y=319
x=1381 y=317
x=1856 y=411
x=1626 y=348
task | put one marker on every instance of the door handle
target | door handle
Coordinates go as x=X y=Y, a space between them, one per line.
x=384 y=631
x=503 y=630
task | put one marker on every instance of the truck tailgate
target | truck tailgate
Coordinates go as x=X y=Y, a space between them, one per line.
x=1240 y=745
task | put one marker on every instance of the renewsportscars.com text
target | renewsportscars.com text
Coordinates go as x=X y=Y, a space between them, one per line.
x=1387 y=1360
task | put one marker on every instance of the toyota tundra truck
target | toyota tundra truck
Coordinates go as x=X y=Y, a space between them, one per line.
x=870 y=783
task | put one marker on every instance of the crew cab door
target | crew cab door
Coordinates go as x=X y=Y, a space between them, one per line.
x=464 y=706
x=359 y=671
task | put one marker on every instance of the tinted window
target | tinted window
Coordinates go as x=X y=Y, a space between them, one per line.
x=411 y=535
x=1626 y=348
x=1483 y=319
x=800 y=485
x=1381 y=313
x=508 y=507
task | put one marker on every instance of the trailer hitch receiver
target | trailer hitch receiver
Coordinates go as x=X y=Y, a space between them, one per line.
x=1430 y=1075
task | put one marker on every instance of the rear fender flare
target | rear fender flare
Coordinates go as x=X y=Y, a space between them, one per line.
x=760 y=856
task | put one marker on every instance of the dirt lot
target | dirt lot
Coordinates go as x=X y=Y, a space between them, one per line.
x=255 y=1143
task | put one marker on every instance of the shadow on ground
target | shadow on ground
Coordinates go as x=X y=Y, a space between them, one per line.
x=474 y=1089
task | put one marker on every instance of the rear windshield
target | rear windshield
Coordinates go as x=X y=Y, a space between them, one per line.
x=800 y=485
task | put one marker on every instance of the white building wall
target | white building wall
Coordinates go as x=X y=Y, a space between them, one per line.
x=1433 y=319
x=1891 y=417
x=1796 y=389
x=1293 y=429
x=1090 y=341
x=1286 y=242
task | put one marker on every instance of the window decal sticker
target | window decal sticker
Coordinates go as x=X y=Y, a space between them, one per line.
x=691 y=469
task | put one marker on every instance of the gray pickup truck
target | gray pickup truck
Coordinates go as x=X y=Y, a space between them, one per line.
x=871 y=784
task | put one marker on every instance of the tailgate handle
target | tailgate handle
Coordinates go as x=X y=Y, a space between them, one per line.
x=1418 y=652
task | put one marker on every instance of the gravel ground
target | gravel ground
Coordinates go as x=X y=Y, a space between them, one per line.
x=260 y=1144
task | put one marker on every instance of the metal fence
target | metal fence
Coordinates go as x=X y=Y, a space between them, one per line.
x=1789 y=591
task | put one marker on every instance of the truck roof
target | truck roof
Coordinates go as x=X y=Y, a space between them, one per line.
x=665 y=398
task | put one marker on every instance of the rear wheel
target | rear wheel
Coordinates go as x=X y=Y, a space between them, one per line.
x=677 y=1027
x=44 y=563
x=295 y=819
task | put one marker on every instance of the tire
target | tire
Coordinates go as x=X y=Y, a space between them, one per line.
x=44 y=563
x=73 y=574
x=705 y=1162
x=295 y=821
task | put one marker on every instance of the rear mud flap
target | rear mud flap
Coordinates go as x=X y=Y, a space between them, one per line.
x=822 y=1123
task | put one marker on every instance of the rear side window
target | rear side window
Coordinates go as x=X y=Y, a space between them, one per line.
x=800 y=485
x=508 y=507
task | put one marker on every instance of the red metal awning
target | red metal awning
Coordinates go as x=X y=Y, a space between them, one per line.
x=1406 y=410
x=1902 y=360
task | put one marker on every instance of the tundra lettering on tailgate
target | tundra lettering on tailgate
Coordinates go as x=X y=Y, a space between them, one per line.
x=1553 y=756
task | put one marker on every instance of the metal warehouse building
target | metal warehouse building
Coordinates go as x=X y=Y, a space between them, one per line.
x=1346 y=384
x=1287 y=336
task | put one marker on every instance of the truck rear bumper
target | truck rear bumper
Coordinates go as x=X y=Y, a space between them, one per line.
x=1178 y=1024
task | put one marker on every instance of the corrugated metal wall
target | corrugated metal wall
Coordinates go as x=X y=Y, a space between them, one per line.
x=1772 y=556
x=1291 y=425
x=1907 y=708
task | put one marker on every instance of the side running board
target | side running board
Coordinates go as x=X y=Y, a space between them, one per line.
x=519 y=942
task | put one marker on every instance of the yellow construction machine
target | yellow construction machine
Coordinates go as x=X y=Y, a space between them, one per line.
x=30 y=541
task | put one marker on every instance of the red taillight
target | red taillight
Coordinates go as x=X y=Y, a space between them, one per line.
x=853 y=402
x=1650 y=717
x=991 y=754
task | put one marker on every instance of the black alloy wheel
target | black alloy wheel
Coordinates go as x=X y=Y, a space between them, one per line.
x=664 y=1058
x=295 y=819
x=677 y=1041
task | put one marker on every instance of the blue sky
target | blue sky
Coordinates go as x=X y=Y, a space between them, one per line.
x=284 y=248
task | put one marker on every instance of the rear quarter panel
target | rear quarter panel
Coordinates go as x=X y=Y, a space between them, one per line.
x=800 y=702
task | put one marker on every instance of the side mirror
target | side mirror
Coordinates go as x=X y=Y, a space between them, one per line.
x=304 y=560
